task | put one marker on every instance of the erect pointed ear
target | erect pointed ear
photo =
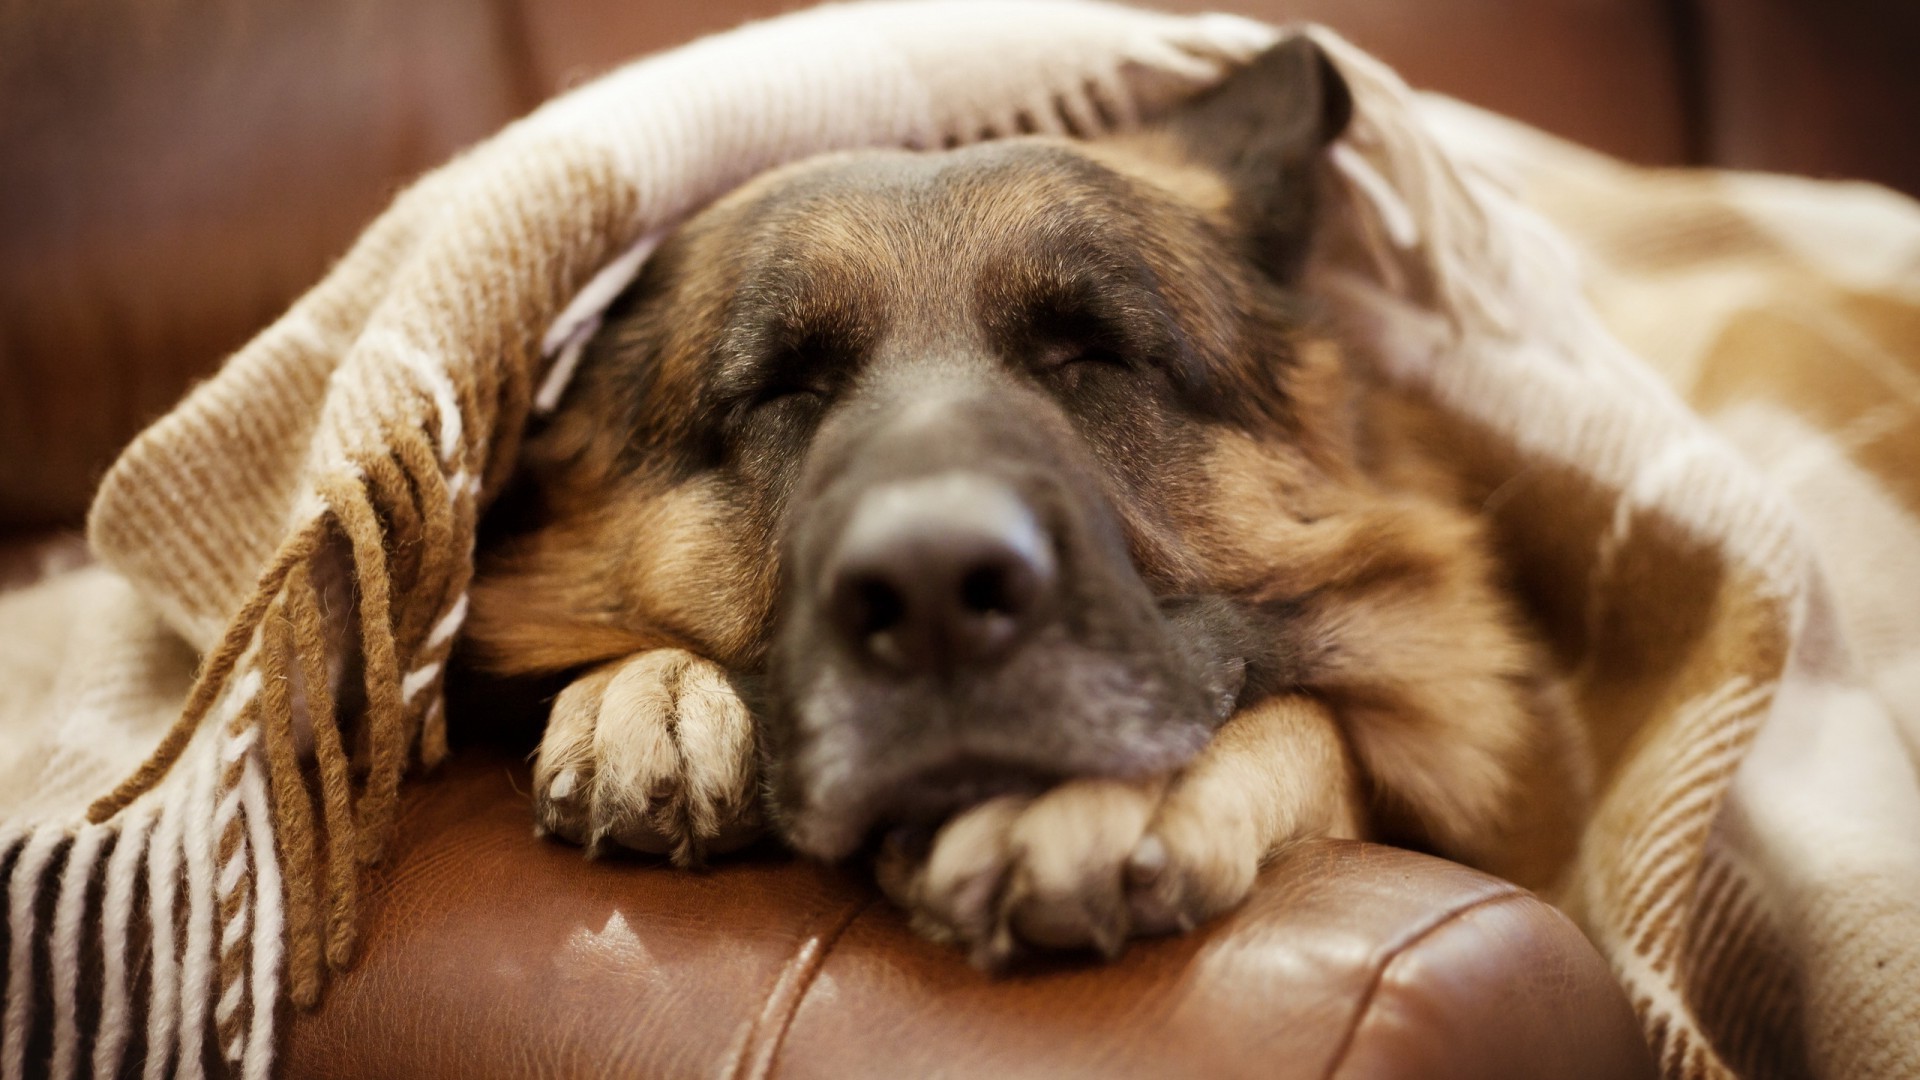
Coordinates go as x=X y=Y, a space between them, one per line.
x=1265 y=128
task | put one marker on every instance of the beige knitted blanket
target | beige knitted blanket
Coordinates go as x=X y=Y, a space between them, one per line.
x=1696 y=427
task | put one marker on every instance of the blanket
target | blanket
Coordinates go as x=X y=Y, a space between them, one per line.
x=1776 y=781
x=1690 y=407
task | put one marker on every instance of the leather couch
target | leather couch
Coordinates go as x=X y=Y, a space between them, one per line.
x=491 y=954
x=174 y=174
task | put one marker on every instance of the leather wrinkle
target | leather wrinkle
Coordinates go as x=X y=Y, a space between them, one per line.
x=760 y=1050
x=1400 y=948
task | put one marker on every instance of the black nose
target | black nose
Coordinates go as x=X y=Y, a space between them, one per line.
x=940 y=573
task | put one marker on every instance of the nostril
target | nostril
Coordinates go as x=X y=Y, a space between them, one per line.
x=984 y=591
x=1007 y=586
x=878 y=606
x=865 y=606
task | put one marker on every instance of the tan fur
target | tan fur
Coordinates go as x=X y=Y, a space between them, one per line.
x=613 y=581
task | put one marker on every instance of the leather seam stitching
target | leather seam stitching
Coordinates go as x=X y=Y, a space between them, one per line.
x=800 y=970
x=1379 y=976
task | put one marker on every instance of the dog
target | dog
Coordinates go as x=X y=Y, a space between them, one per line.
x=1008 y=513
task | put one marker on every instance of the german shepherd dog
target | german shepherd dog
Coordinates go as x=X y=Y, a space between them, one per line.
x=1007 y=514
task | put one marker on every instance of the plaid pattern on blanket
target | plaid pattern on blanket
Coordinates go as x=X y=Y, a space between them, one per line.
x=1734 y=592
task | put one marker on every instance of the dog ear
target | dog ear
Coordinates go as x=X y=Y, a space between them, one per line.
x=1266 y=127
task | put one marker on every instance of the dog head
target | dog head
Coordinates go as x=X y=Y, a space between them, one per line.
x=930 y=448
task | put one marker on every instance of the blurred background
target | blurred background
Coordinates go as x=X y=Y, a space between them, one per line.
x=174 y=172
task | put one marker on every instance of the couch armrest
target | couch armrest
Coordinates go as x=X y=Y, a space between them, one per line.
x=489 y=953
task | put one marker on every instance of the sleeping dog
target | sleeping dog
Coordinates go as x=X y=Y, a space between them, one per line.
x=1006 y=513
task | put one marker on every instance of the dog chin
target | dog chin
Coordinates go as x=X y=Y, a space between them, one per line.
x=861 y=761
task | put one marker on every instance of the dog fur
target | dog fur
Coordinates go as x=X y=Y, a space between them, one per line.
x=1290 y=547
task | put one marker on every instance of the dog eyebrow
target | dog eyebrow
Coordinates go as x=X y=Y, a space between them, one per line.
x=1079 y=283
x=778 y=318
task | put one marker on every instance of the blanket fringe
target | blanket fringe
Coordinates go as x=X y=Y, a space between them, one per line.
x=405 y=528
x=213 y=677
x=340 y=890
x=384 y=741
x=288 y=790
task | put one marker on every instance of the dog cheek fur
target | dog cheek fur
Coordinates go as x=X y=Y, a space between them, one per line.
x=668 y=566
x=1399 y=623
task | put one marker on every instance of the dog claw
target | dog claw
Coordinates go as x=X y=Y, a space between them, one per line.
x=560 y=808
x=1147 y=863
x=994 y=952
x=1154 y=891
x=1109 y=937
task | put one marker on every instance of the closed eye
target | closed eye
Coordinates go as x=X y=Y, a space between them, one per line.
x=805 y=371
x=1057 y=355
x=1068 y=339
x=786 y=343
x=788 y=393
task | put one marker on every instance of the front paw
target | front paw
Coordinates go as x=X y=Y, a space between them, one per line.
x=654 y=753
x=1086 y=865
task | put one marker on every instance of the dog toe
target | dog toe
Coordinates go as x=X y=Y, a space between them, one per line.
x=951 y=886
x=563 y=773
x=1067 y=887
x=560 y=808
x=1191 y=864
x=713 y=733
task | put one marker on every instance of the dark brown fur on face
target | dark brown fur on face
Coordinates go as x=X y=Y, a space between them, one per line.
x=1101 y=345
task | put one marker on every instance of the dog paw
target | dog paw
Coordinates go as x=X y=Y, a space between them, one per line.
x=654 y=753
x=1086 y=865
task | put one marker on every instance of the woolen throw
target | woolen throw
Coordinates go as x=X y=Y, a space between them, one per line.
x=1693 y=407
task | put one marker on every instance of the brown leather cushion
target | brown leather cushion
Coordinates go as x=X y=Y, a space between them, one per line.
x=490 y=953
